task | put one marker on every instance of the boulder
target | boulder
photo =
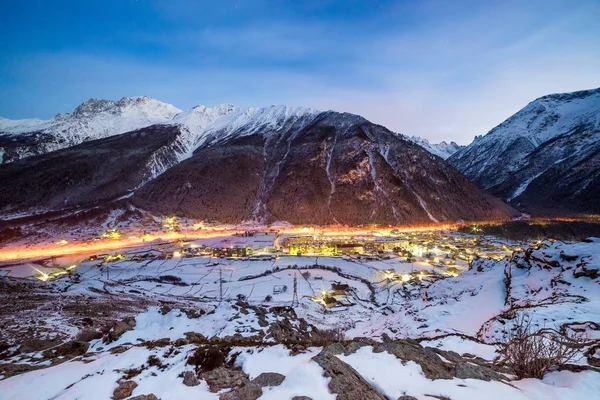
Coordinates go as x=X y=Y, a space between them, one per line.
x=345 y=381
x=301 y=398
x=124 y=390
x=150 y=396
x=269 y=379
x=466 y=370
x=190 y=378
x=119 y=328
x=72 y=349
x=223 y=378
x=34 y=345
x=432 y=365
x=251 y=391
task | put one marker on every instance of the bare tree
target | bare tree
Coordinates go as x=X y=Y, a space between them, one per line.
x=533 y=352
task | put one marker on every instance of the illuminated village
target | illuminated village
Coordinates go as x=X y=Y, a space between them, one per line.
x=332 y=267
x=177 y=286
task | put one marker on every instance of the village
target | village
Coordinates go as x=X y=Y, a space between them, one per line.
x=333 y=270
x=113 y=313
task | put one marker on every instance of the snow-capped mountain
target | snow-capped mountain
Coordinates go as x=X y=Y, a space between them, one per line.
x=334 y=167
x=97 y=118
x=228 y=164
x=442 y=149
x=91 y=120
x=543 y=158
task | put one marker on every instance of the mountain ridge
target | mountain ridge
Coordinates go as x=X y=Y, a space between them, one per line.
x=544 y=157
x=98 y=118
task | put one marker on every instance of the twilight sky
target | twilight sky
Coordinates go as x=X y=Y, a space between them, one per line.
x=444 y=70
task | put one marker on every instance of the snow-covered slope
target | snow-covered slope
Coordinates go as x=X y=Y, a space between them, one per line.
x=442 y=149
x=555 y=284
x=91 y=120
x=536 y=151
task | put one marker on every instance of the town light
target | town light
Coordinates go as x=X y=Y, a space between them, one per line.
x=43 y=276
x=111 y=234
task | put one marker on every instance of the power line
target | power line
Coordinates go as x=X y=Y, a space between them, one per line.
x=220 y=285
x=295 y=301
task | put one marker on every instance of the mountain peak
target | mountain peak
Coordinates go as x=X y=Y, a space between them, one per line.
x=441 y=149
x=93 y=106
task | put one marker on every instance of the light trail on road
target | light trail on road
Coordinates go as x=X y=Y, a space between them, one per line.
x=48 y=250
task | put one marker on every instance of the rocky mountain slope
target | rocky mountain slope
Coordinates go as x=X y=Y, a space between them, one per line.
x=246 y=164
x=92 y=172
x=333 y=167
x=545 y=158
x=93 y=119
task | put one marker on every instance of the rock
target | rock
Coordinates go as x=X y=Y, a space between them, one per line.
x=69 y=349
x=222 y=378
x=335 y=349
x=251 y=391
x=301 y=398
x=353 y=347
x=465 y=370
x=269 y=379
x=431 y=364
x=190 y=379
x=196 y=338
x=119 y=328
x=124 y=390
x=150 y=396
x=345 y=381
x=407 y=398
x=34 y=345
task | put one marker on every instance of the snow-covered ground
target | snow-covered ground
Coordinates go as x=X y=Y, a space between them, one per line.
x=553 y=284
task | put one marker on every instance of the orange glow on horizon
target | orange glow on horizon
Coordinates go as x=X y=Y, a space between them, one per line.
x=133 y=239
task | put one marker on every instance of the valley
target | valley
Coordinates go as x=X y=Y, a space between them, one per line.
x=288 y=294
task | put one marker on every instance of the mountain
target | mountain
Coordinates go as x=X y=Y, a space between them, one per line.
x=543 y=159
x=442 y=149
x=309 y=167
x=93 y=119
x=228 y=164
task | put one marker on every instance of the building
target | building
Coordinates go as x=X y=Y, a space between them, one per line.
x=340 y=288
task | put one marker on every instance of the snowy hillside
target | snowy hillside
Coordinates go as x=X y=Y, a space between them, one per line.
x=245 y=122
x=442 y=149
x=91 y=120
x=97 y=118
x=553 y=140
x=166 y=335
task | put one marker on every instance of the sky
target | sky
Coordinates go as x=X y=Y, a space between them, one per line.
x=443 y=70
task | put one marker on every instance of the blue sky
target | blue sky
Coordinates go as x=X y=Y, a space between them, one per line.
x=444 y=70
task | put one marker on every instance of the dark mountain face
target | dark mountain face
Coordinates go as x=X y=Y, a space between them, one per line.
x=91 y=172
x=273 y=164
x=560 y=176
x=330 y=168
x=15 y=147
x=543 y=159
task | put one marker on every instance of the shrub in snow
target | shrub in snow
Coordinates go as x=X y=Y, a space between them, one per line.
x=329 y=335
x=207 y=358
x=531 y=353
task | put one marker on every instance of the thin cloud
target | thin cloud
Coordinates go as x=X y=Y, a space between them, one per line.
x=434 y=69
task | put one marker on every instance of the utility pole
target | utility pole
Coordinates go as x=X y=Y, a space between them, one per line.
x=220 y=285
x=295 y=301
